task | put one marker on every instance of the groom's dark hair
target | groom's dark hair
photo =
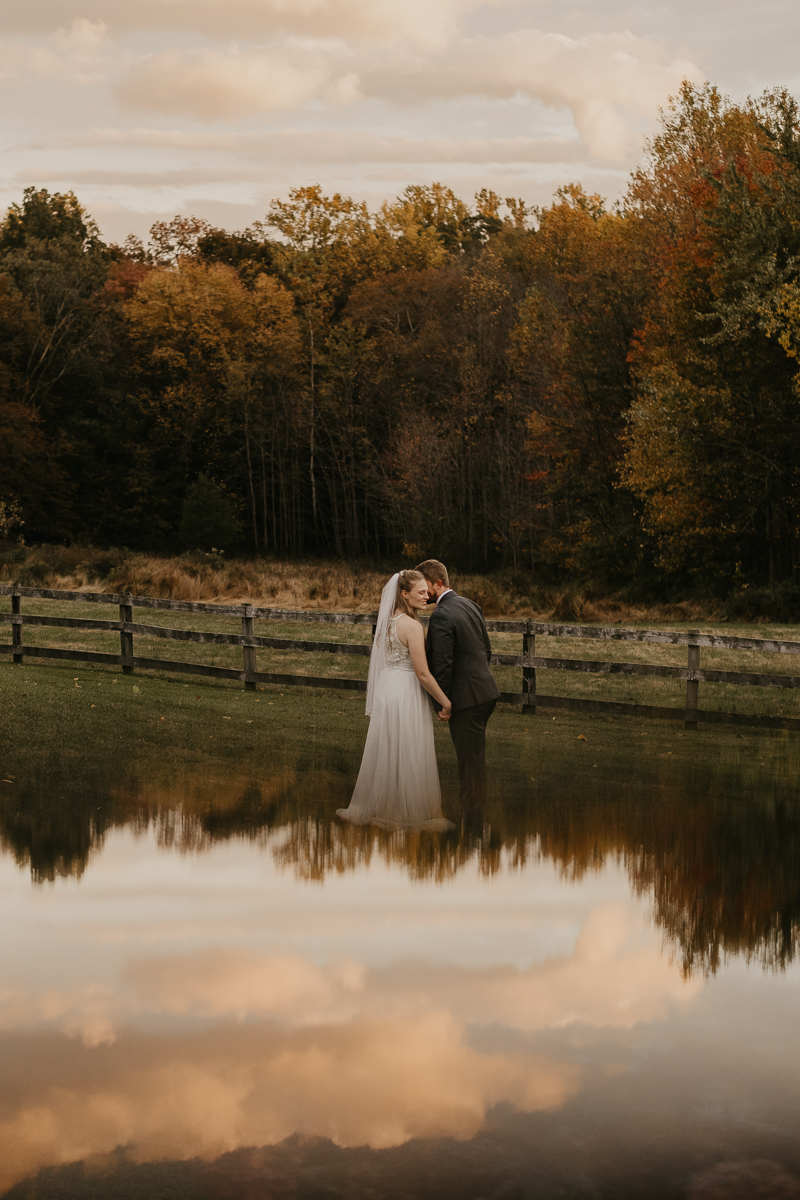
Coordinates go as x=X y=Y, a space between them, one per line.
x=434 y=571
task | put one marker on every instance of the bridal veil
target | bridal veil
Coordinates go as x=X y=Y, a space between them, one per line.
x=377 y=661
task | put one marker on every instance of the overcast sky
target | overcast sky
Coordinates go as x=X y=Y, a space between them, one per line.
x=212 y=107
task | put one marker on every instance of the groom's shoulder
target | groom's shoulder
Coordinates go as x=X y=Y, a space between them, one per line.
x=453 y=604
x=444 y=609
x=471 y=615
x=463 y=601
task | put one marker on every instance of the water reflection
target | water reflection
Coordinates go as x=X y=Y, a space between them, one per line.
x=221 y=965
x=715 y=846
x=179 y=1007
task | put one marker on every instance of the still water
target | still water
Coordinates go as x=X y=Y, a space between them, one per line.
x=210 y=988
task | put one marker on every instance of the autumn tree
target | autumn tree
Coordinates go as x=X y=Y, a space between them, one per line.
x=602 y=394
x=455 y=447
x=54 y=268
x=214 y=358
x=714 y=432
x=570 y=347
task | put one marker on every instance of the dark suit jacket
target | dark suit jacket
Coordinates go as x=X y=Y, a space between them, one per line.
x=459 y=652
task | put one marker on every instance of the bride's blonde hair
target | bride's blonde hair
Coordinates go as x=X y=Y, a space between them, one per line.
x=405 y=582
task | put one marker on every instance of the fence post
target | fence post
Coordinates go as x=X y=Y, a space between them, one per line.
x=126 y=639
x=529 y=673
x=16 y=629
x=248 y=631
x=692 y=685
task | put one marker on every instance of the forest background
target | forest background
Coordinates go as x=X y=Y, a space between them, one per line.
x=574 y=393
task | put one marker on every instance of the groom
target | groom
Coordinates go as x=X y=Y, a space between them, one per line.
x=458 y=657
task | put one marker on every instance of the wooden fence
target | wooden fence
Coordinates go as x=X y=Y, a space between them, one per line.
x=529 y=697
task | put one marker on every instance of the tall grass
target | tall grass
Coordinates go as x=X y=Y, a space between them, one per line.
x=330 y=584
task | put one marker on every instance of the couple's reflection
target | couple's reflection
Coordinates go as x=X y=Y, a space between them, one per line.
x=471 y=814
x=468 y=731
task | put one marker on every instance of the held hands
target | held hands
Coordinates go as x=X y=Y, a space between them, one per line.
x=445 y=712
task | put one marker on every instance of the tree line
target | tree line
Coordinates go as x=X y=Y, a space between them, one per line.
x=576 y=390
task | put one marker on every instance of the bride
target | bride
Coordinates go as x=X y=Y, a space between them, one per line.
x=398 y=784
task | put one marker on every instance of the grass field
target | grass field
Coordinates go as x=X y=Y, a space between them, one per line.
x=94 y=720
x=768 y=701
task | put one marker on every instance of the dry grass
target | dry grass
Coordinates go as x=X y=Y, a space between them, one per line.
x=310 y=584
x=576 y=607
x=197 y=576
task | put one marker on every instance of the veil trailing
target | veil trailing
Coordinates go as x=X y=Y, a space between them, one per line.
x=377 y=661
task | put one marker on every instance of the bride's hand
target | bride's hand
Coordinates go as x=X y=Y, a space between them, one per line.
x=445 y=712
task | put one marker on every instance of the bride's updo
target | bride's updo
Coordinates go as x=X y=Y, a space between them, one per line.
x=405 y=582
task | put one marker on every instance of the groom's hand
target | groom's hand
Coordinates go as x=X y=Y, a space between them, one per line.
x=444 y=714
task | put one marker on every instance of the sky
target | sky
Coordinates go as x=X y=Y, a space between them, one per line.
x=213 y=108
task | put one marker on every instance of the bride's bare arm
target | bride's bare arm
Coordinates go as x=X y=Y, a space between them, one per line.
x=410 y=633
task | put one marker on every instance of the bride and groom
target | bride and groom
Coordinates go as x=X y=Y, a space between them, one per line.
x=398 y=784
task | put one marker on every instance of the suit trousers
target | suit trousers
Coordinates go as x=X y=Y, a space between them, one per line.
x=468 y=731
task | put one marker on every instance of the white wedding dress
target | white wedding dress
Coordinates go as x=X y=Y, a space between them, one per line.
x=398 y=784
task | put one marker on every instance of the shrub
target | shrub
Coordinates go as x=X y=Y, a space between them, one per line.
x=10 y=518
x=208 y=521
x=778 y=602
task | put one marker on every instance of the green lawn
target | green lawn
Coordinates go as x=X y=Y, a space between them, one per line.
x=96 y=717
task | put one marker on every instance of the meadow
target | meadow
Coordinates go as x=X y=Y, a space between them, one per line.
x=352 y=586
x=340 y=584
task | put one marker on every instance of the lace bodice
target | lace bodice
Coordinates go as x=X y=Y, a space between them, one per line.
x=398 y=657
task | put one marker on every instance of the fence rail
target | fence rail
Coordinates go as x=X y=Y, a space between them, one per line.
x=529 y=662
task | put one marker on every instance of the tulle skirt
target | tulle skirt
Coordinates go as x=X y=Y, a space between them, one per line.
x=398 y=784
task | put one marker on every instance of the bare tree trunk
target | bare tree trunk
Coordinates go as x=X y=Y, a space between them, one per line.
x=353 y=502
x=311 y=435
x=790 y=532
x=250 y=474
x=264 y=495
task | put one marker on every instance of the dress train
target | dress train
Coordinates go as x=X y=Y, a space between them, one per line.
x=398 y=783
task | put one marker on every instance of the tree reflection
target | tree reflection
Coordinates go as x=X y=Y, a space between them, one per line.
x=715 y=845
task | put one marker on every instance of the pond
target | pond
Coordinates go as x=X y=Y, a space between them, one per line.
x=589 y=989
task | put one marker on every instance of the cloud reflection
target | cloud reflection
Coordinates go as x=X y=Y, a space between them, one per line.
x=255 y=1047
x=616 y=976
x=215 y=983
x=373 y=1082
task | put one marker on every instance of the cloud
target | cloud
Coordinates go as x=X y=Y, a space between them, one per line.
x=74 y=54
x=213 y=84
x=279 y=57
x=421 y=22
x=603 y=79
x=610 y=83
x=165 y=179
x=83 y=36
x=292 y=146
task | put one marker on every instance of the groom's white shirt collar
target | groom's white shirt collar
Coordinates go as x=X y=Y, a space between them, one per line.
x=443 y=594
